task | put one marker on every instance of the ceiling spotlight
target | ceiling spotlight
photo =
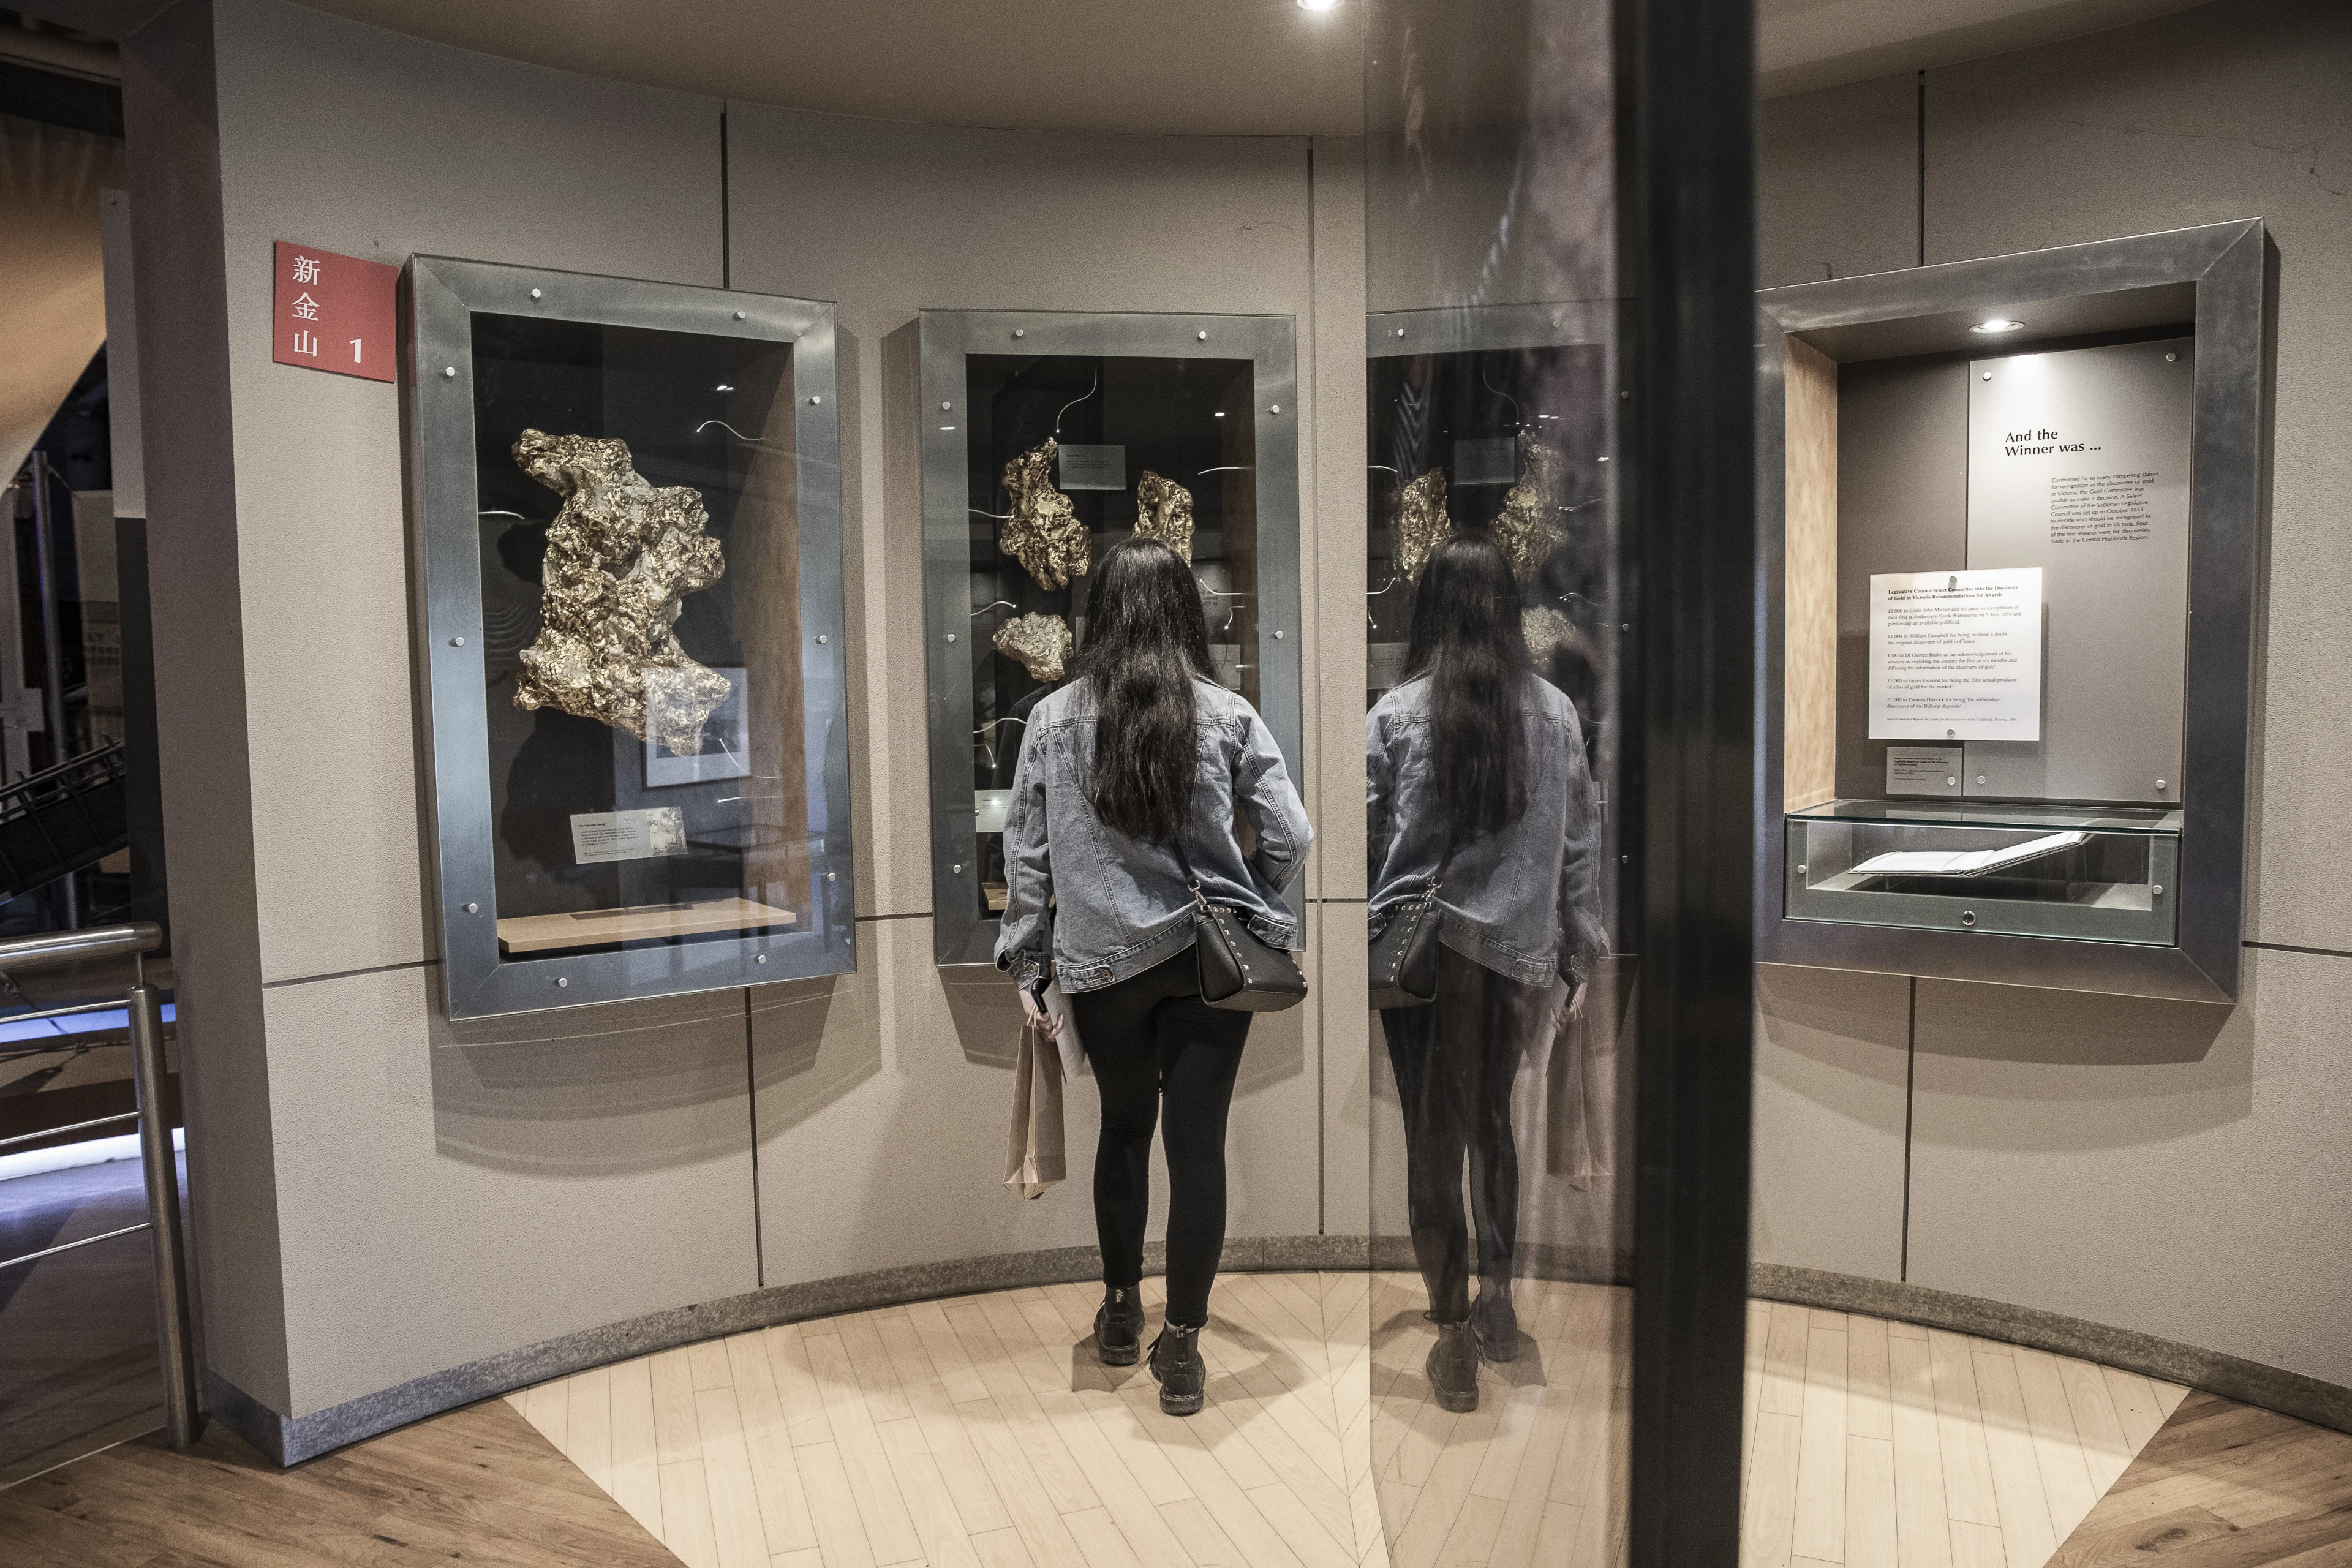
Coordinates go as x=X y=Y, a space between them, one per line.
x=724 y=387
x=1998 y=324
x=1219 y=413
x=1318 y=5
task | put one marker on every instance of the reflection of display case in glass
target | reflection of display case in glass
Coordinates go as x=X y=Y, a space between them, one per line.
x=1048 y=437
x=1499 y=419
x=627 y=526
x=2098 y=874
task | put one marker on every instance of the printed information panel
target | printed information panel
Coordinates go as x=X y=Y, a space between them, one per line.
x=1956 y=656
x=2079 y=465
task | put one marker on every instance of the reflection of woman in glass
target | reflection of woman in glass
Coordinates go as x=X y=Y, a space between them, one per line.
x=1478 y=777
x=1123 y=803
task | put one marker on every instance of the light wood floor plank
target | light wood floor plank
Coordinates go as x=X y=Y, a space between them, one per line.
x=685 y=1510
x=775 y=1480
x=889 y=1529
x=1819 y=1529
x=1976 y=1545
x=796 y=1389
x=1002 y=1549
x=1922 y=1521
x=840 y=1530
x=2135 y=1406
x=636 y=1475
x=2106 y=1451
x=877 y=1379
x=1871 y=1539
x=945 y=1435
x=2057 y=1445
x=1867 y=1411
x=1768 y=1507
x=588 y=1414
x=736 y=1524
x=1785 y=1343
x=706 y=1362
x=1960 y=1431
x=676 y=1438
x=2028 y=1536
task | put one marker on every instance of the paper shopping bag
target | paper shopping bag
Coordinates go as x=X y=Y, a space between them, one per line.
x=1032 y=1156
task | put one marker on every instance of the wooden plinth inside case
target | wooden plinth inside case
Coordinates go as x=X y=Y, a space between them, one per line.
x=644 y=922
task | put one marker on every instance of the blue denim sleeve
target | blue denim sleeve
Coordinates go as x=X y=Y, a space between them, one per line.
x=1583 y=937
x=1380 y=799
x=1261 y=784
x=1024 y=941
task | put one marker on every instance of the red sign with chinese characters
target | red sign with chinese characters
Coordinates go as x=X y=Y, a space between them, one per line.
x=334 y=312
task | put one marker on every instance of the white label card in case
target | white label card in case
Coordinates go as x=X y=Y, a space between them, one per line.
x=599 y=836
x=1085 y=468
x=1956 y=656
x=1923 y=769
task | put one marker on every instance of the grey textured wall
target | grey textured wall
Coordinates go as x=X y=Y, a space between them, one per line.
x=383 y=1196
x=2171 y=1168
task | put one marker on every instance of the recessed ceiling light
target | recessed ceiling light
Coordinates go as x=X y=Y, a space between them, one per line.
x=1998 y=324
x=1219 y=413
x=1318 y=5
x=724 y=387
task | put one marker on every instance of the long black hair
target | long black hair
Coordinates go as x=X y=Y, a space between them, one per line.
x=1466 y=638
x=1146 y=640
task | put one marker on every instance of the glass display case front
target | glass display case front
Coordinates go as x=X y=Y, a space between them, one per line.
x=2095 y=873
x=1047 y=439
x=628 y=517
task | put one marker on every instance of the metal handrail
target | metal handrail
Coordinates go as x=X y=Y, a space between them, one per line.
x=159 y=1162
x=68 y=1246
x=47 y=1012
x=60 y=1132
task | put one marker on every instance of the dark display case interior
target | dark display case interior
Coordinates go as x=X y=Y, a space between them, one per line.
x=654 y=780
x=1069 y=454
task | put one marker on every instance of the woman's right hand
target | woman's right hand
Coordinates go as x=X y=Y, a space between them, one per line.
x=1034 y=1014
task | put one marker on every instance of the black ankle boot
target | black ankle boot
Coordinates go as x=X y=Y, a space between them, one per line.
x=1183 y=1376
x=1498 y=1326
x=1118 y=1327
x=1453 y=1368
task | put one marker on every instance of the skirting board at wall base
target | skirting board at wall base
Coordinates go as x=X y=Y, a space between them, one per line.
x=2232 y=1377
x=290 y=1440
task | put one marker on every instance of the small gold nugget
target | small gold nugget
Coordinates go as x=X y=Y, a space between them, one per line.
x=1163 y=511
x=1040 y=642
x=1421 y=523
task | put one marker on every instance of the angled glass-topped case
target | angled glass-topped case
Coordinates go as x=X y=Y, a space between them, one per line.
x=627 y=527
x=2096 y=873
x=1047 y=437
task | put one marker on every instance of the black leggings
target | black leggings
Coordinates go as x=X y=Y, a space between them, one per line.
x=1150 y=1039
x=1454 y=1062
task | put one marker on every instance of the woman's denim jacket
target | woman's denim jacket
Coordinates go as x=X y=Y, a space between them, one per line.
x=1108 y=907
x=1522 y=900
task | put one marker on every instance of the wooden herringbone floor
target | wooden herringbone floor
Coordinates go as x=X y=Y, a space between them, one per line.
x=980 y=1433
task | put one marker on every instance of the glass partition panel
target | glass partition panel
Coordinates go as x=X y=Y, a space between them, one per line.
x=1503 y=993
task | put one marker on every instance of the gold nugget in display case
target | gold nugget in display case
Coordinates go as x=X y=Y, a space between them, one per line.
x=627 y=522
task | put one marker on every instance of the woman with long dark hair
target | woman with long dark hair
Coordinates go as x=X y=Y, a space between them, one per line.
x=1477 y=779
x=1124 y=801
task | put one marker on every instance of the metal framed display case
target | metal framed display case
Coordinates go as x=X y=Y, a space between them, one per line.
x=626 y=516
x=2090 y=419
x=1046 y=438
x=1499 y=418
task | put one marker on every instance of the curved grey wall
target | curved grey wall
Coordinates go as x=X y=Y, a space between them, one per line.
x=382 y=1197
x=2171 y=1169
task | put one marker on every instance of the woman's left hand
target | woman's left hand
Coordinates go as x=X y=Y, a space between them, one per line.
x=1047 y=1025
x=1561 y=1017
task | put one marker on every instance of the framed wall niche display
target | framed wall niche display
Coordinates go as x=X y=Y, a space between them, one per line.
x=1047 y=437
x=2013 y=530
x=625 y=515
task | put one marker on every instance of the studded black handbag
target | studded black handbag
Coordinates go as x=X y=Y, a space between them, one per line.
x=1237 y=970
